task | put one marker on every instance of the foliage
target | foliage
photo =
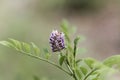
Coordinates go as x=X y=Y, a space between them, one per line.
x=79 y=69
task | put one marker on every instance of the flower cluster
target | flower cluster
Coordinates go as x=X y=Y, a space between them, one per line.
x=57 y=41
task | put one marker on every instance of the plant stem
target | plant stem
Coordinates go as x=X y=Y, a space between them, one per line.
x=71 y=66
x=89 y=74
x=45 y=60
x=75 y=77
x=66 y=64
x=74 y=53
x=68 y=67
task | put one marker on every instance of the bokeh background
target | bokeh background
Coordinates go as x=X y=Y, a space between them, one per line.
x=33 y=20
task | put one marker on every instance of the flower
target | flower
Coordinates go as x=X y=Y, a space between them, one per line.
x=57 y=41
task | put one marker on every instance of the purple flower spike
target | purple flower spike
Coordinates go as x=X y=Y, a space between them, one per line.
x=57 y=41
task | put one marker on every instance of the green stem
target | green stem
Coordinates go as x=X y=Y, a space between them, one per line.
x=71 y=66
x=74 y=63
x=75 y=77
x=75 y=48
x=45 y=60
x=85 y=78
x=68 y=67
x=66 y=64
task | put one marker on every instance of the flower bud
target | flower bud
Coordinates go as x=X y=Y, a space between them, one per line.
x=57 y=41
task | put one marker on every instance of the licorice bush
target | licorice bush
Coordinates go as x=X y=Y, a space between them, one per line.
x=61 y=43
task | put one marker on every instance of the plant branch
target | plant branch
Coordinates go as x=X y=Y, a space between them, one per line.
x=68 y=67
x=85 y=78
x=66 y=64
x=45 y=60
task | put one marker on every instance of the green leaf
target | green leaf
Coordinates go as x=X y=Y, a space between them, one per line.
x=113 y=60
x=65 y=29
x=47 y=54
x=80 y=73
x=61 y=60
x=84 y=70
x=76 y=40
x=16 y=44
x=35 y=49
x=6 y=43
x=78 y=61
x=93 y=77
x=64 y=26
x=87 y=68
x=75 y=45
x=46 y=50
x=26 y=47
x=70 y=48
x=90 y=62
x=19 y=46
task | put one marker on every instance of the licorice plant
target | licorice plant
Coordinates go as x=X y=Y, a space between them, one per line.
x=60 y=42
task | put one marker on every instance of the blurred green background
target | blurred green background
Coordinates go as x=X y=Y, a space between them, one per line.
x=33 y=20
